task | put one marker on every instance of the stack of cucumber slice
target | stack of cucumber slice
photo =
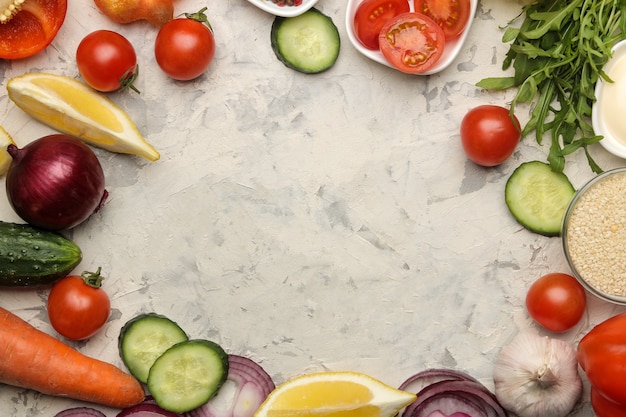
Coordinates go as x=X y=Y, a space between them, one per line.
x=181 y=373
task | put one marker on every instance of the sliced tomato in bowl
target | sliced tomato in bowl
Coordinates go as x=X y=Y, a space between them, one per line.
x=412 y=42
x=451 y=15
x=32 y=29
x=371 y=16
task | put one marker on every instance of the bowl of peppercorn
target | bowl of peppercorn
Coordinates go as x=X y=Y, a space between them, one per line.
x=284 y=8
x=594 y=235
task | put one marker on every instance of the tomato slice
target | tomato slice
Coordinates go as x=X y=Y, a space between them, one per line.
x=371 y=16
x=412 y=42
x=32 y=28
x=451 y=15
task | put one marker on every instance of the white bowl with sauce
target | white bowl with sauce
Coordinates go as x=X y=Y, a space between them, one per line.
x=283 y=11
x=450 y=52
x=609 y=110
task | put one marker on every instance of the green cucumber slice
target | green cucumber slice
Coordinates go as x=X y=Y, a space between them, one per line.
x=308 y=43
x=188 y=375
x=538 y=197
x=144 y=338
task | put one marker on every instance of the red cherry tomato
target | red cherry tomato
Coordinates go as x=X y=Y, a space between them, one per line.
x=371 y=16
x=604 y=407
x=78 y=307
x=556 y=301
x=32 y=28
x=411 y=42
x=185 y=47
x=489 y=135
x=451 y=15
x=107 y=61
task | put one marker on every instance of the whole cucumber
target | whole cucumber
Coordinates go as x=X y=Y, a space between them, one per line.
x=33 y=257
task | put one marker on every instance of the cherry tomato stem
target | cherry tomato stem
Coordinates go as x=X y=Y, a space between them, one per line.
x=93 y=279
x=201 y=17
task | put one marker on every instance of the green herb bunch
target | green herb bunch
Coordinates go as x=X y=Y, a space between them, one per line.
x=558 y=54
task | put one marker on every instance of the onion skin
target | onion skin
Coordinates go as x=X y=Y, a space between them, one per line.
x=80 y=412
x=146 y=409
x=55 y=182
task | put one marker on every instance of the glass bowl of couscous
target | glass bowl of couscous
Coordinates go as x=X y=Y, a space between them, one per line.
x=594 y=235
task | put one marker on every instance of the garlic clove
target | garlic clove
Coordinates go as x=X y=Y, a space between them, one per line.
x=537 y=376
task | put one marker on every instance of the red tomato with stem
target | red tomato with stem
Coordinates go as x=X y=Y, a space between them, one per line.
x=107 y=61
x=184 y=47
x=411 y=42
x=489 y=135
x=556 y=301
x=32 y=29
x=77 y=305
x=451 y=15
x=371 y=16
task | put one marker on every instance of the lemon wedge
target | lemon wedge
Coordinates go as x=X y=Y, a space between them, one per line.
x=72 y=107
x=5 y=158
x=334 y=394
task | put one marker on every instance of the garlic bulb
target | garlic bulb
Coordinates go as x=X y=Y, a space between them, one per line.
x=537 y=376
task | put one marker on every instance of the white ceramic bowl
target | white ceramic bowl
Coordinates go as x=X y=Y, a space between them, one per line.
x=450 y=52
x=283 y=11
x=613 y=141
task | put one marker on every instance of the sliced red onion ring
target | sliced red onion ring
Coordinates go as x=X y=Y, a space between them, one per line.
x=437 y=397
x=440 y=390
x=246 y=387
x=448 y=405
x=146 y=409
x=425 y=378
x=80 y=412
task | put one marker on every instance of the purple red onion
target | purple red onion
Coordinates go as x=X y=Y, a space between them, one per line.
x=444 y=392
x=55 y=182
x=425 y=378
x=146 y=409
x=80 y=412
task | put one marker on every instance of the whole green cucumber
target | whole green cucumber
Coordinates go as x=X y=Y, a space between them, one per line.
x=33 y=257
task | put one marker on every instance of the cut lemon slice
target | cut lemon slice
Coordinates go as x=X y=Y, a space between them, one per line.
x=72 y=107
x=334 y=394
x=5 y=158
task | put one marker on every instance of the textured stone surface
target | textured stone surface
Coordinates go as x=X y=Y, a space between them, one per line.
x=311 y=222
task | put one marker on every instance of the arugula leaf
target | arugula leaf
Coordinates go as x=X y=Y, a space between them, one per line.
x=497 y=83
x=551 y=21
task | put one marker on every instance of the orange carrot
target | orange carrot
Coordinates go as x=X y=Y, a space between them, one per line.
x=32 y=359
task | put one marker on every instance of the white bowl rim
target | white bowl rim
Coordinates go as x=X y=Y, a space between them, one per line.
x=449 y=55
x=608 y=142
x=283 y=11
